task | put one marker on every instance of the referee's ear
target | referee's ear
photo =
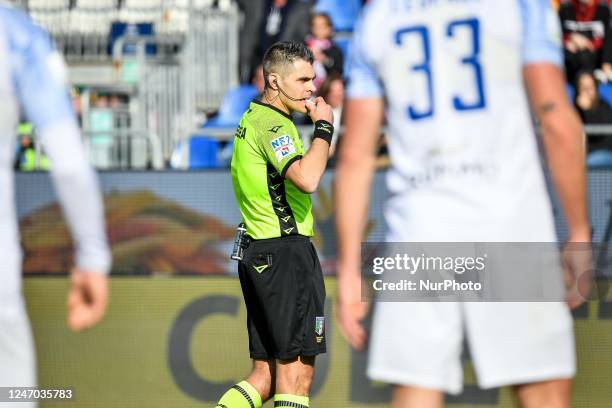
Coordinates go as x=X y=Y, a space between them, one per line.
x=272 y=81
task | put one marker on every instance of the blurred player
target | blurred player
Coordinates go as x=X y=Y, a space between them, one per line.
x=32 y=79
x=458 y=77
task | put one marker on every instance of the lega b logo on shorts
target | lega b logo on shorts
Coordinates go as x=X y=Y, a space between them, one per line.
x=319 y=327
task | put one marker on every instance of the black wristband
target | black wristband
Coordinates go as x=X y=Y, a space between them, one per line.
x=323 y=130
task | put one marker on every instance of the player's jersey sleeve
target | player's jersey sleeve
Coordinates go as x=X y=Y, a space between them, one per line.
x=363 y=80
x=280 y=149
x=39 y=80
x=39 y=72
x=541 y=42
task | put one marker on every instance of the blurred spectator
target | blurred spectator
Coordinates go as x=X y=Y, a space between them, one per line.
x=25 y=159
x=267 y=22
x=253 y=11
x=586 y=39
x=258 y=80
x=328 y=57
x=594 y=110
x=332 y=91
x=343 y=13
x=284 y=21
x=75 y=97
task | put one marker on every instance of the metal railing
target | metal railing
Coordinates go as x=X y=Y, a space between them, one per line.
x=171 y=90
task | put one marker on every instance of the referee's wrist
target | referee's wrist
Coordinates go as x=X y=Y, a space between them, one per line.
x=323 y=130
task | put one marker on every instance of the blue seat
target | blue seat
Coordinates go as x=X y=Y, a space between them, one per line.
x=343 y=13
x=605 y=92
x=235 y=102
x=203 y=152
x=570 y=93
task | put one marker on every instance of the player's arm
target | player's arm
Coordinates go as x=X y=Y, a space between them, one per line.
x=364 y=112
x=306 y=172
x=562 y=137
x=354 y=173
x=40 y=84
x=562 y=133
x=563 y=140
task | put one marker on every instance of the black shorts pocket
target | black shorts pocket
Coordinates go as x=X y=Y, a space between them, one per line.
x=261 y=262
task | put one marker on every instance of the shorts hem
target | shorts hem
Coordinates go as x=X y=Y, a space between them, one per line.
x=288 y=356
x=527 y=378
x=412 y=379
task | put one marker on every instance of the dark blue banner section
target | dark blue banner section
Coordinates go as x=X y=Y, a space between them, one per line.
x=183 y=222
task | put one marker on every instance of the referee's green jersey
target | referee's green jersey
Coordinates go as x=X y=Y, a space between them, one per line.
x=266 y=143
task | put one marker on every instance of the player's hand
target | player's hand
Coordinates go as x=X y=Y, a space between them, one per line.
x=318 y=54
x=87 y=299
x=350 y=310
x=581 y=42
x=319 y=110
x=577 y=268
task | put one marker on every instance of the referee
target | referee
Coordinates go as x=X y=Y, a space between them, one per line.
x=280 y=274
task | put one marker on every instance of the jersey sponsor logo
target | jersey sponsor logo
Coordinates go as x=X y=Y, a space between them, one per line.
x=274 y=129
x=272 y=175
x=278 y=198
x=285 y=219
x=260 y=268
x=319 y=327
x=282 y=146
x=281 y=209
x=274 y=187
x=288 y=230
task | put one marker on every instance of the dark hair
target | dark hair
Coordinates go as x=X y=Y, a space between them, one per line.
x=582 y=73
x=326 y=85
x=282 y=54
x=579 y=75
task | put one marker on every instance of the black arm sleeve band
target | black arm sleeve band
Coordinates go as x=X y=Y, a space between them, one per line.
x=289 y=163
x=323 y=130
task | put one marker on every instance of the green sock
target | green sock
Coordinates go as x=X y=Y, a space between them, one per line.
x=290 y=401
x=241 y=395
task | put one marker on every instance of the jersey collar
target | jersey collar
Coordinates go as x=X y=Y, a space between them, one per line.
x=274 y=108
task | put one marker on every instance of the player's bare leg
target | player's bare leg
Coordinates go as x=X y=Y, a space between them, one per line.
x=263 y=378
x=545 y=394
x=293 y=380
x=254 y=391
x=416 y=397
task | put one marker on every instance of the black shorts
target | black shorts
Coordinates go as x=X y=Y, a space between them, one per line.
x=283 y=289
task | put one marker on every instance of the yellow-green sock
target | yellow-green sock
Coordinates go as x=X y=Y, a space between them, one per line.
x=241 y=395
x=291 y=401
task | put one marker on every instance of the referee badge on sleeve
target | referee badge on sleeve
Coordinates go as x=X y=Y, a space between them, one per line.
x=319 y=327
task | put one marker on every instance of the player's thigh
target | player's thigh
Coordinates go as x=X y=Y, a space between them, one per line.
x=416 y=397
x=520 y=342
x=551 y=394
